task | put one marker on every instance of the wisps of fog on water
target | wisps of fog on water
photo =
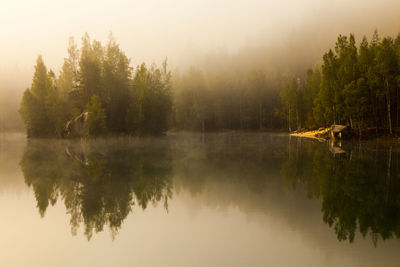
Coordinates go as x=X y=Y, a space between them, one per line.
x=296 y=191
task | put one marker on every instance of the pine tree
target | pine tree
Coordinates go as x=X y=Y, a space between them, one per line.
x=96 y=118
x=33 y=105
x=117 y=83
x=90 y=71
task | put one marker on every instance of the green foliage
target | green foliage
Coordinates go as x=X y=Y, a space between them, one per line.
x=192 y=107
x=90 y=70
x=97 y=81
x=55 y=107
x=356 y=86
x=42 y=105
x=291 y=97
x=117 y=84
x=208 y=101
x=150 y=103
x=32 y=113
x=96 y=117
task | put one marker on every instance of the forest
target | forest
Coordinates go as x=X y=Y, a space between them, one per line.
x=356 y=86
x=97 y=87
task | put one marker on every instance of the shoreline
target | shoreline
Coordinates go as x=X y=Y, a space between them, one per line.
x=324 y=134
x=320 y=134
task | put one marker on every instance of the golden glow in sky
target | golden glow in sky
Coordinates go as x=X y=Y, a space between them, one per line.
x=151 y=30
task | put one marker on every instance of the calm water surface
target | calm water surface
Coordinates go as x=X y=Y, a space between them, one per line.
x=199 y=200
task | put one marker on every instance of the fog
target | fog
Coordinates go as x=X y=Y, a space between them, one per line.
x=289 y=34
x=151 y=30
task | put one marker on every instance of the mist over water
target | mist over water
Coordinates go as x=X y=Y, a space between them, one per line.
x=242 y=198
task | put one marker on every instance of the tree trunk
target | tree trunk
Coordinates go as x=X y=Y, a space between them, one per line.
x=240 y=115
x=203 y=125
x=260 y=116
x=334 y=114
x=388 y=108
x=290 y=128
x=375 y=116
x=271 y=120
x=397 y=111
x=351 y=122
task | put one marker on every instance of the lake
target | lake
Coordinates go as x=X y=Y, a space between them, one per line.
x=227 y=199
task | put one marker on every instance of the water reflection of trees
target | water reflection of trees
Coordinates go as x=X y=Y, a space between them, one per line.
x=101 y=181
x=98 y=181
x=359 y=189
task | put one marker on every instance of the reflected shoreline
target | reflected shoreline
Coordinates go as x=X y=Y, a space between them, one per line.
x=101 y=181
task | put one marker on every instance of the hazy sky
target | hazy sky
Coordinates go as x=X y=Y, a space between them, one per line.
x=153 y=29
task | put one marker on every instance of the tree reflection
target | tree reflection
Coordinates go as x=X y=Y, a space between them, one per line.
x=98 y=181
x=359 y=189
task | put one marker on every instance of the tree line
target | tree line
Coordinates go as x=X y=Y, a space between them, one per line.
x=98 y=80
x=356 y=86
x=211 y=101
